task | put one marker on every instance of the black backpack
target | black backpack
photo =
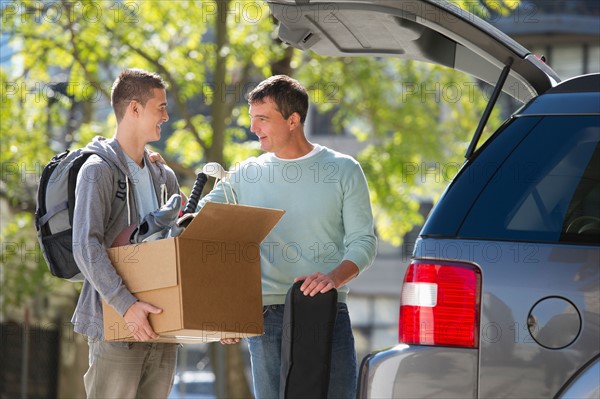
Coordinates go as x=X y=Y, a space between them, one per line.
x=54 y=212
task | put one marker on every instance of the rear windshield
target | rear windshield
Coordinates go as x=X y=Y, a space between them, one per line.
x=547 y=190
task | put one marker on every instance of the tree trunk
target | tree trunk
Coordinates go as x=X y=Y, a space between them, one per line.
x=229 y=366
x=219 y=105
x=283 y=66
x=227 y=360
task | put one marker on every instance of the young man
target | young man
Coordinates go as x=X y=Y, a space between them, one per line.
x=117 y=187
x=325 y=237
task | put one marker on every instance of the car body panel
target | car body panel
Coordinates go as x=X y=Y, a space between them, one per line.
x=516 y=277
x=432 y=31
x=586 y=385
x=420 y=372
x=582 y=104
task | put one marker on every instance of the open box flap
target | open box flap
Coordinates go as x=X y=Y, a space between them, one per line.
x=142 y=266
x=233 y=223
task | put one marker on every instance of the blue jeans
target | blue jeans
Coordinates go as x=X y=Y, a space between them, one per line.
x=265 y=355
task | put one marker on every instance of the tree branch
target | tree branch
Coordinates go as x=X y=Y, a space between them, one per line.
x=77 y=55
x=187 y=117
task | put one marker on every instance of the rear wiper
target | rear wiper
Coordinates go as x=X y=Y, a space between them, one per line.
x=488 y=109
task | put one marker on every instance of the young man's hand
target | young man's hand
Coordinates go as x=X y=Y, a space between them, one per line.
x=137 y=320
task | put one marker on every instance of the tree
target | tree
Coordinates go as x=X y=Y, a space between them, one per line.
x=206 y=51
x=66 y=54
x=415 y=130
x=415 y=119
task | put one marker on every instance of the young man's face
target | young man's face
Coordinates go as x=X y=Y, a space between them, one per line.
x=273 y=131
x=153 y=115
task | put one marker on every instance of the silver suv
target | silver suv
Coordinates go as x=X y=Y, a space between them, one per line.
x=502 y=297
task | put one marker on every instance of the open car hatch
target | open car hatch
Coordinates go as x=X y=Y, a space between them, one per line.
x=437 y=32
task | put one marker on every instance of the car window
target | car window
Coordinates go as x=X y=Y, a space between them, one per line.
x=547 y=190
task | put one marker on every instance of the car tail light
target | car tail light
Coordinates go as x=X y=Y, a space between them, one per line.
x=440 y=304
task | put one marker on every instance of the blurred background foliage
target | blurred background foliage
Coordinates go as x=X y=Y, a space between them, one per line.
x=60 y=58
x=65 y=55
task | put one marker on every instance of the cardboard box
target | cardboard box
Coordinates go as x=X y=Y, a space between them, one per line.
x=207 y=281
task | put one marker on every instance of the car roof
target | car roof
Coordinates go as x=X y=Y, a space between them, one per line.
x=433 y=31
x=577 y=96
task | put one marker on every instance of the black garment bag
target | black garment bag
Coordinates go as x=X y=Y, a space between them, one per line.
x=306 y=343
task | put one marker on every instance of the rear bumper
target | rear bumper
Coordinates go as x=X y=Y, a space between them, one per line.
x=419 y=371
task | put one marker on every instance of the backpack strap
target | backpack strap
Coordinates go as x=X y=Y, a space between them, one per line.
x=72 y=181
x=42 y=215
x=42 y=220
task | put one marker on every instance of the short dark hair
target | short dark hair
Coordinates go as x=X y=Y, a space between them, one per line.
x=288 y=95
x=133 y=84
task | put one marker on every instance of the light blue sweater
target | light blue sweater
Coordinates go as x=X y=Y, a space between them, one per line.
x=328 y=215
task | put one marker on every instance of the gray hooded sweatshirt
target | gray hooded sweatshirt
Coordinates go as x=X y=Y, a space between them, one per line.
x=105 y=205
